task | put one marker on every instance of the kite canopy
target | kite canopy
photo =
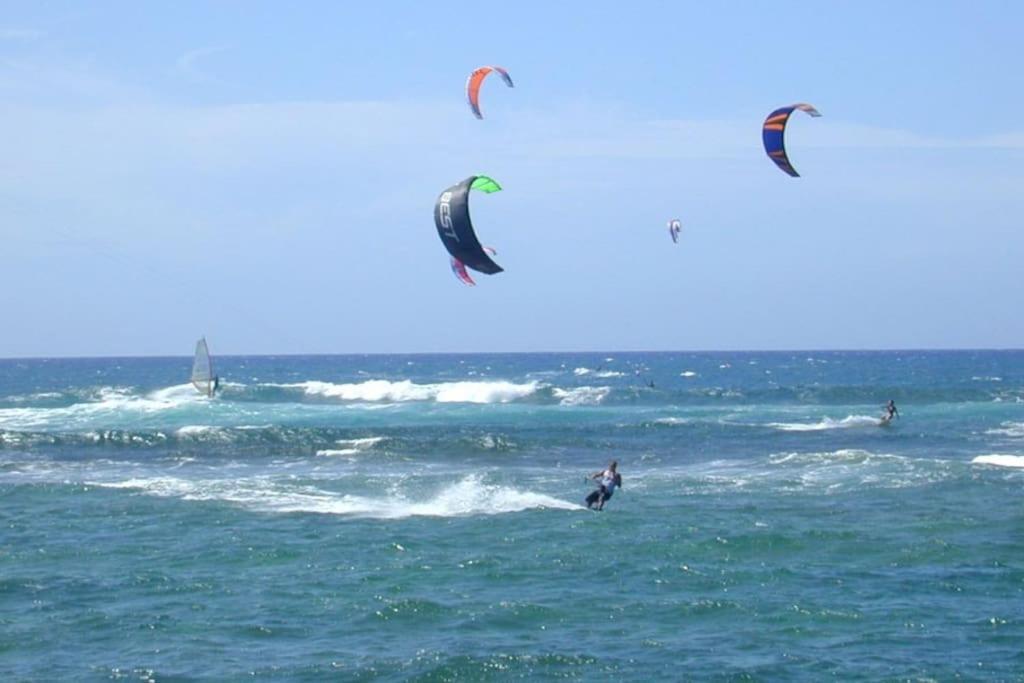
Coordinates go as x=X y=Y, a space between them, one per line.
x=773 y=134
x=459 y=268
x=476 y=79
x=451 y=216
x=674 y=226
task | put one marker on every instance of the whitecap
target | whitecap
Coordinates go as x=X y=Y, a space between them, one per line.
x=999 y=460
x=581 y=396
x=104 y=403
x=1012 y=429
x=352 y=446
x=376 y=390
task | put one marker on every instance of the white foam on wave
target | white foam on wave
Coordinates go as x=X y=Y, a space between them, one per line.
x=848 y=468
x=673 y=420
x=376 y=390
x=468 y=497
x=842 y=455
x=1012 y=429
x=848 y=422
x=105 y=402
x=581 y=396
x=603 y=374
x=999 y=460
x=363 y=443
x=977 y=378
x=352 y=446
x=687 y=373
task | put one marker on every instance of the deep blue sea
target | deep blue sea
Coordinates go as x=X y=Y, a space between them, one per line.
x=420 y=518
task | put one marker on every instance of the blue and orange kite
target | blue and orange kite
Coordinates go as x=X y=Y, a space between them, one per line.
x=773 y=134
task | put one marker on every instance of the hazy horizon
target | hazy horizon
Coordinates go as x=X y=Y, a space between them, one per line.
x=524 y=353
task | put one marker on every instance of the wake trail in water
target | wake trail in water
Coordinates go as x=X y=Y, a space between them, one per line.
x=468 y=497
x=848 y=422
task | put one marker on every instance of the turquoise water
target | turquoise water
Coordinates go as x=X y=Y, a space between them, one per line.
x=419 y=517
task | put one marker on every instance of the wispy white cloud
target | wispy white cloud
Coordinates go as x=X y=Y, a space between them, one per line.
x=188 y=65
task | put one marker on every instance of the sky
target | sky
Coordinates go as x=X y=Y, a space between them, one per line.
x=265 y=174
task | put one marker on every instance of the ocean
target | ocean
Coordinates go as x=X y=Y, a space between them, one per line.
x=421 y=518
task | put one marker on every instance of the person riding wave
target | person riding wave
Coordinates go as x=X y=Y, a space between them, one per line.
x=890 y=411
x=610 y=479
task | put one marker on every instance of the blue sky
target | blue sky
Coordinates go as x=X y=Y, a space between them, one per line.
x=265 y=175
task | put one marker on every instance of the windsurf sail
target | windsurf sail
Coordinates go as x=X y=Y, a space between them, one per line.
x=202 y=369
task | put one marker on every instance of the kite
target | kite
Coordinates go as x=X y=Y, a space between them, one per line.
x=476 y=79
x=774 y=130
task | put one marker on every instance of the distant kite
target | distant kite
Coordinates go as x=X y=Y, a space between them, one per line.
x=774 y=130
x=474 y=82
x=674 y=226
x=451 y=216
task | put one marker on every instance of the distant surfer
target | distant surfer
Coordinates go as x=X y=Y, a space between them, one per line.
x=216 y=386
x=890 y=412
x=609 y=480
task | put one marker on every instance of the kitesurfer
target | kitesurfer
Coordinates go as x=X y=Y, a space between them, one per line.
x=890 y=411
x=609 y=480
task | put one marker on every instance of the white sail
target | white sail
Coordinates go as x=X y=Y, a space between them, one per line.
x=202 y=369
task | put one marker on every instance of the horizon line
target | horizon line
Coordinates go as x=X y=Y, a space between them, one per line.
x=936 y=349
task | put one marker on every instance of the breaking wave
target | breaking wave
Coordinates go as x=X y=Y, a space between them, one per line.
x=104 y=403
x=581 y=396
x=603 y=374
x=377 y=390
x=1011 y=429
x=352 y=446
x=999 y=460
